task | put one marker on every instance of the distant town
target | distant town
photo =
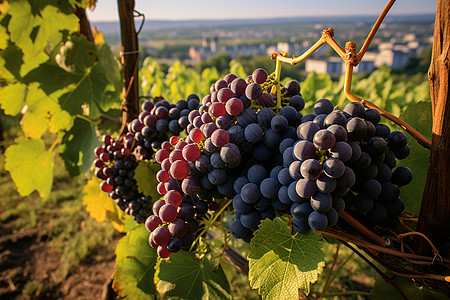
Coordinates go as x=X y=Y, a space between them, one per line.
x=399 y=39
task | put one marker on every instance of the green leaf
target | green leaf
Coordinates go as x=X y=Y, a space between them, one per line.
x=33 y=31
x=40 y=113
x=30 y=166
x=383 y=290
x=3 y=38
x=12 y=98
x=419 y=116
x=185 y=276
x=281 y=263
x=77 y=147
x=145 y=175
x=110 y=65
x=91 y=91
x=11 y=59
x=135 y=266
x=77 y=55
x=43 y=112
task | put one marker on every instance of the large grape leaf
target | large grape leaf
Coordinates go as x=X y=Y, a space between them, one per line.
x=135 y=266
x=77 y=147
x=92 y=89
x=30 y=166
x=100 y=206
x=383 y=290
x=185 y=276
x=145 y=175
x=281 y=263
x=419 y=116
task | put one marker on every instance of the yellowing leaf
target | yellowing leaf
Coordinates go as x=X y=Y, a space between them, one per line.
x=96 y=201
x=30 y=166
x=99 y=38
x=100 y=206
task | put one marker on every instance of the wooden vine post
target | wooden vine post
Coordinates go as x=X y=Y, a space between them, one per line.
x=434 y=218
x=130 y=61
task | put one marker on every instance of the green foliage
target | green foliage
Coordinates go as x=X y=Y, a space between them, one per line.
x=419 y=116
x=145 y=175
x=50 y=75
x=77 y=147
x=383 y=290
x=135 y=266
x=185 y=276
x=180 y=81
x=32 y=31
x=281 y=263
x=30 y=166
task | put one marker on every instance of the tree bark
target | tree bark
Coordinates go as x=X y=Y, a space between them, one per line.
x=434 y=218
x=130 y=60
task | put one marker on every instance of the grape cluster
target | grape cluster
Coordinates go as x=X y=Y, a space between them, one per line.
x=227 y=143
x=266 y=159
x=343 y=160
x=157 y=121
x=115 y=165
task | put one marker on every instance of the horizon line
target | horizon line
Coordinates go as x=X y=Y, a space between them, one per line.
x=273 y=18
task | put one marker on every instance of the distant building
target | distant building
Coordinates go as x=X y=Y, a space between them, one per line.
x=392 y=55
x=336 y=66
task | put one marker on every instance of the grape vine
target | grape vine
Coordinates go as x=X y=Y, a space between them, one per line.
x=275 y=163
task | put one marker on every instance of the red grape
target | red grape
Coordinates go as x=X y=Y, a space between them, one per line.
x=173 y=198
x=191 y=152
x=152 y=222
x=179 y=169
x=220 y=137
x=161 y=236
x=168 y=213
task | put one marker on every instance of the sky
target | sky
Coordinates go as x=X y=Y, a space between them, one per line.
x=106 y=10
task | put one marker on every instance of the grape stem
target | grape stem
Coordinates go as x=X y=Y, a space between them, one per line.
x=352 y=59
x=342 y=236
x=211 y=223
x=362 y=229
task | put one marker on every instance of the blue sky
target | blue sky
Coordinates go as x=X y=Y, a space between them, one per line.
x=106 y=10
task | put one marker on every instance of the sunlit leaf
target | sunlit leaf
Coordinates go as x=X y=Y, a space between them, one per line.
x=100 y=206
x=280 y=263
x=135 y=266
x=42 y=111
x=30 y=166
x=12 y=98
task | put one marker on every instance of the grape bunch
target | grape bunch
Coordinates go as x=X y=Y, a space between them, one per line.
x=226 y=135
x=269 y=159
x=343 y=160
x=157 y=121
x=115 y=165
